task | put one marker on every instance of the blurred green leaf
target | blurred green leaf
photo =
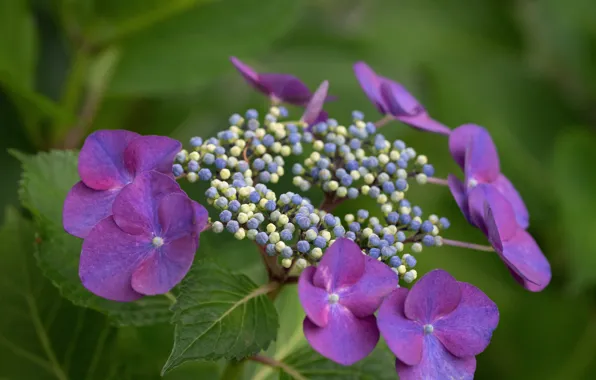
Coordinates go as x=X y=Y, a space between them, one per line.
x=187 y=50
x=46 y=179
x=220 y=315
x=573 y=161
x=308 y=364
x=18 y=43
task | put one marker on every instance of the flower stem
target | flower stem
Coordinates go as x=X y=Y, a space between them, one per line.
x=171 y=297
x=461 y=244
x=437 y=181
x=277 y=364
x=383 y=121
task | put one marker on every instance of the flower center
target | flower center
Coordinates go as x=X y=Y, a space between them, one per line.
x=472 y=183
x=428 y=329
x=157 y=242
x=333 y=298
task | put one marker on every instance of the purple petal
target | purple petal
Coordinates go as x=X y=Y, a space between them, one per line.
x=365 y=296
x=346 y=339
x=151 y=153
x=135 y=208
x=521 y=212
x=499 y=216
x=165 y=267
x=249 y=74
x=341 y=265
x=437 y=363
x=398 y=100
x=468 y=329
x=176 y=216
x=459 y=139
x=435 y=295
x=458 y=191
x=314 y=300
x=201 y=217
x=101 y=160
x=476 y=204
x=403 y=336
x=482 y=160
x=315 y=104
x=286 y=88
x=524 y=257
x=85 y=207
x=370 y=83
x=108 y=259
x=425 y=123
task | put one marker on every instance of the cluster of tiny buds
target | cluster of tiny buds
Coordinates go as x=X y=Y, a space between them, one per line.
x=346 y=162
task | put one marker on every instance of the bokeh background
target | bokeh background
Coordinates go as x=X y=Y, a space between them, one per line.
x=524 y=69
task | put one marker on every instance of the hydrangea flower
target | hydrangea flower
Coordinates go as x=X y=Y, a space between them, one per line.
x=474 y=151
x=340 y=297
x=438 y=327
x=514 y=244
x=108 y=162
x=147 y=246
x=391 y=98
x=279 y=87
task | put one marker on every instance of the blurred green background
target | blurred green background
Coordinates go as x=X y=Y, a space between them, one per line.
x=524 y=69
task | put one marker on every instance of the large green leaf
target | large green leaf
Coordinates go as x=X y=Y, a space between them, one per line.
x=46 y=179
x=220 y=315
x=574 y=159
x=188 y=49
x=307 y=364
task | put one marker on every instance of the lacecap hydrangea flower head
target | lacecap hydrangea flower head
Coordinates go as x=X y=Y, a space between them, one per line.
x=141 y=231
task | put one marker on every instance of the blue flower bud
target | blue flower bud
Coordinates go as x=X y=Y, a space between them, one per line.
x=444 y=223
x=402 y=163
x=219 y=151
x=225 y=216
x=258 y=164
x=415 y=225
x=252 y=114
x=220 y=163
x=370 y=128
x=401 y=236
x=377 y=229
x=296 y=199
x=303 y=222
x=346 y=180
x=307 y=137
x=339 y=231
x=411 y=261
x=395 y=261
x=234 y=206
x=353 y=193
x=374 y=240
x=283 y=112
x=330 y=148
x=374 y=192
x=387 y=251
x=268 y=140
x=389 y=238
x=393 y=217
x=286 y=252
x=416 y=211
x=350 y=235
x=401 y=184
x=303 y=246
x=428 y=240
x=390 y=168
x=265 y=176
x=253 y=223
x=286 y=235
x=375 y=253
x=262 y=238
x=254 y=197
x=270 y=249
x=405 y=219
x=211 y=193
x=388 y=187
x=232 y=226
x=294 y=138
x=428 y=169
x=354 y=226
x=177 y=170
x=204 y=174
x=383 y=243
x=426 y=227
x=221 y=202
x=320 y=242
x=196 y=142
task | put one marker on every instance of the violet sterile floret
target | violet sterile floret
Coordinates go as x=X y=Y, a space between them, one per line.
x=108 y=162
x=340 y=297
x=438 y=327
x=147 y=246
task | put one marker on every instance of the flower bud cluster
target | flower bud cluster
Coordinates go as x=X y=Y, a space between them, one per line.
x=242 y=161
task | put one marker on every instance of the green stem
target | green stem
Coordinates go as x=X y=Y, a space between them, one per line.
x=234 y=370
x=171 y=297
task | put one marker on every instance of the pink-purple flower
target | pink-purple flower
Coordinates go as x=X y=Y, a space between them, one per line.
x=438 y=327
x=340 y=297
x=391 y=98
x=279 y=87
x=108 y=162
x=474 y=151
x=148 y=243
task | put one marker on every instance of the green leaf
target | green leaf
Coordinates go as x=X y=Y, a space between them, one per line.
x=46 y=179
x=220 y=315
x=573 y=162
x=305 y=363
x=189 y=49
